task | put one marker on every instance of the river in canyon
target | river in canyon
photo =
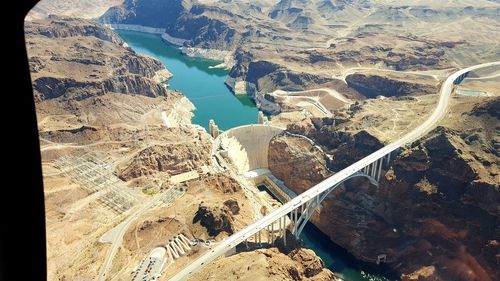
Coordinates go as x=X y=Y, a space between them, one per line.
x=202 y=85
x=205 y=87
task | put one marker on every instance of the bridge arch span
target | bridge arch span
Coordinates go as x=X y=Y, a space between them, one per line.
x=308 y=209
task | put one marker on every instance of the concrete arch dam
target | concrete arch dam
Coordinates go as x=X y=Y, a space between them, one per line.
x=246 y=147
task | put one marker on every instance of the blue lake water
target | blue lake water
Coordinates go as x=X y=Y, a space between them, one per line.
x=204 y=86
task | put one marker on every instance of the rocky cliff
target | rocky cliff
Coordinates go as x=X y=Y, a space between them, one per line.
x=435 y=213
x=169 y=159
x=268 y=76
x=288 y=154
x=157 y=14
x=179 y=18
x=374 y=85
x=342 y=147
x=87 y=9
x=64 y=27
x=268 y=264
x=215 y=219
x=88 y=60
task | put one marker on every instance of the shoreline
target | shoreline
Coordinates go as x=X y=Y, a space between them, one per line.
x=312 y=232
x=225 y=57
x=205 y=72
x=146 y=29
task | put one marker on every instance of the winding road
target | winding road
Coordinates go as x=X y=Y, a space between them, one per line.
x=329 y=91
x=115 y=235
x=244 y=234
x=427 y=73
x=314 y=101
x=494 y=75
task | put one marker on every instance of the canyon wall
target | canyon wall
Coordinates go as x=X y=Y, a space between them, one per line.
x=179 y=19
x=93 y=66
x=371 y=86
x=435 y=213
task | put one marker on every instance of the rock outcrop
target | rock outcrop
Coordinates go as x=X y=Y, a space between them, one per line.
x=374 y=85
x=181 y=19
x=88 y=9
x=453 y=203
x=490 y=107
x=268 y=264
x=89 y=60
x=233 y=206
x=64 y=27
x=169 y=159
x=222 y=183
x=343 y=147
x=216 y=219
x=156 y=14
x=83 y=135
x=268 y=76
x=289 y=154
x=312 y=264
x=219 y=218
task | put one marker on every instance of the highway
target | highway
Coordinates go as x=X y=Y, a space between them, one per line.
x=244 y=234
x=116 y=235
x=312 y=100
x=494 y=75
x=429 y=73
x=329 y=91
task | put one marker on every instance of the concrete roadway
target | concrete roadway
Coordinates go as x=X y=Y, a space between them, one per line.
x=338 y=177
x=115 y=235
x=494 y=75
x=353 y=70
x=305 y=101
x=329 y=91
x=313 y=101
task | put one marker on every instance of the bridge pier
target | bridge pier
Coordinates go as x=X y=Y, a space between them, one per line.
x=280 y=228
x=269 y=234
x=294 y=229
x=284 y=231
x=460 y=78
x=380 y=169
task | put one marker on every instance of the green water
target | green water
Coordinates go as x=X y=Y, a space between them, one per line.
x=472 y=93
x=203 y=86
x=337 y=259
x=213 y=100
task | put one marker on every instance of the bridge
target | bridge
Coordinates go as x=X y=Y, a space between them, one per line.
x=461 y=78
x=298 y=210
